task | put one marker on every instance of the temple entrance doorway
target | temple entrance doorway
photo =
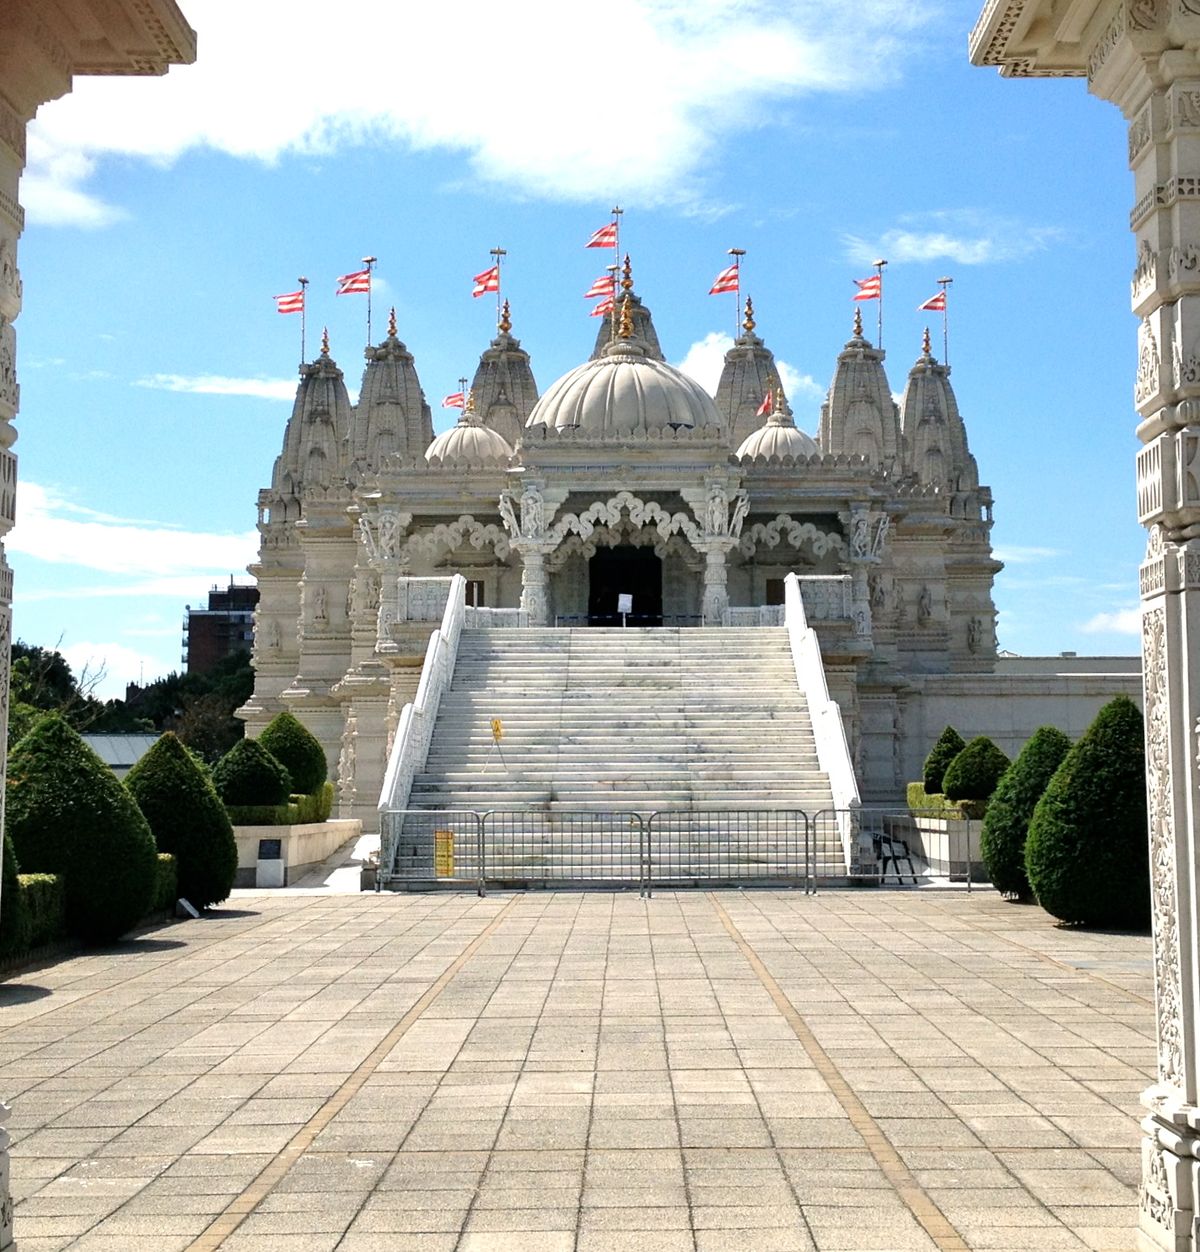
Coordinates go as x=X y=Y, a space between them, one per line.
x=625 y=571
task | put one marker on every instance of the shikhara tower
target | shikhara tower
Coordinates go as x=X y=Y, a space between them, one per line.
x=624 y=476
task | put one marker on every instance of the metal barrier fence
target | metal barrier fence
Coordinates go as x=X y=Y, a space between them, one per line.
x=530 y=846
x=908 y=844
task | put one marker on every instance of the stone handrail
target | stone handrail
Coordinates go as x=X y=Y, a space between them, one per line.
x=833 y=752
x=410 y=748
x=480 y=618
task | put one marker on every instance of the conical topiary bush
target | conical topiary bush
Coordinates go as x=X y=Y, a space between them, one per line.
x=949 y=744
x=68 y=815
x=188 y=820
x=249 y=775
x=296 y=748
x=1087 y=853
x=1006 y=823
x=974 y=773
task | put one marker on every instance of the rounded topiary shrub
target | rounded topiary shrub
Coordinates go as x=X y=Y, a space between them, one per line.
x=949 y=744
x=296 y=748
x=1087 y=852
x=1006 y=823
x=249 y=774
x=188 y=820
x=15 y=923
x=68 y=815
x=974 y=773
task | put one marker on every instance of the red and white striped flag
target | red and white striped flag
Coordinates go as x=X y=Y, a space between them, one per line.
x=767 y=405
x=605 y=285
x=293 y=302
x=726 y=280
x=489 y=280
x=603 y=308
x=605 y=237
x=869 y=288
x=455 y=400
x=935 y=304
x=354 y=284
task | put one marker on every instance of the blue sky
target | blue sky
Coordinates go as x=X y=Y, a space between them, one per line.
x=163 y=215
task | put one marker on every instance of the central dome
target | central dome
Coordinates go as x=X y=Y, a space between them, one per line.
x=625 y=392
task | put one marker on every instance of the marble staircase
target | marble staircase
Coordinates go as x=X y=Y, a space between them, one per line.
x=635 y=720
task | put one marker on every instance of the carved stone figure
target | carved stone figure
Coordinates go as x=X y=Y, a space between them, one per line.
x=860 y=536
x=924 y=605
x=533 y=513
x=320 y=606
x=716 y=516
x=974 y=634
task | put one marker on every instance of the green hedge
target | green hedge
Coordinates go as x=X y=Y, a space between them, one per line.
x=931 y=804
x=949 y=744
x=15 y=922
x=67 y=814
x=249 y=776
x=1087 y=852
x=1006 y=825
x=300 y=810
x=46 y=902
x=188 y=820
x=166 y=890
x=296 y=748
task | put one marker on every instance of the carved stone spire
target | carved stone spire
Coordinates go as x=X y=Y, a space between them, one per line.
x=748 y=375
x=504 y=387
x=392 y=415
x=935 y=439
x=314 y=441
x=859 y=416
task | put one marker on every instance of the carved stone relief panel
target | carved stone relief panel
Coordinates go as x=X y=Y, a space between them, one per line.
x=1145 y=386
x=10 y=391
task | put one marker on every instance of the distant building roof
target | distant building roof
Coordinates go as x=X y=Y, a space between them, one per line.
x=120 y=752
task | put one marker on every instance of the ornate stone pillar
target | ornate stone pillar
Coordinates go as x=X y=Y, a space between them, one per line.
x=860 y=543
x=716 y=574
x=1141 y=55
x=534 y=599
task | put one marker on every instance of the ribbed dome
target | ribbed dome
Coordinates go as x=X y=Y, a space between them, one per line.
x=625 y=392
x=469 y=443
x=779 y=436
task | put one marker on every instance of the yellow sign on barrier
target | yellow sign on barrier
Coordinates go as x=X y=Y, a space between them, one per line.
x=497 y=730
x=443 y=853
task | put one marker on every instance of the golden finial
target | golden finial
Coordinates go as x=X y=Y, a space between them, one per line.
x=325 y=341
x=858 y=323
x=748 y=322
x=469 y=407
x=627 y=275
x=777 y=411
x=926 y=346
x=505 y=322
x=392 y=323
x=626 y=330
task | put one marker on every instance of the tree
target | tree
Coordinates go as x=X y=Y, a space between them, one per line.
x=1006 y=823
x=249 y=775
x=973 y=774
x=15 y=925
x=1087 y=854
x=68 y=815
x=188 y=820
x=296 y=748
x=949 y=744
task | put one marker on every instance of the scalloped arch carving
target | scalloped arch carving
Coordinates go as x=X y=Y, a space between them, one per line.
x=605 y=537
x=641 y=513
x=786 y=530
x=447 y=536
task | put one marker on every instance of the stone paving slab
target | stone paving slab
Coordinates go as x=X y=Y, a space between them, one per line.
x=751 y=1071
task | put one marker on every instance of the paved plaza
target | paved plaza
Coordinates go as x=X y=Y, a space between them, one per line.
x=566 y=1072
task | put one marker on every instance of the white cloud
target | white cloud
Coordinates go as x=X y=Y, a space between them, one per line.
x=105 y=668
x=963 y=236
x=1119 y=622
x=52 y=529
x=705 y=359
x=699 y=72
x=219 y=385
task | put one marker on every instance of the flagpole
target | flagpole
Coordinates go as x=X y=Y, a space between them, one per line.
x=617 y=211
x=879 y=324
x=498 y=253
x=944 y=283
x=303 y=314
x=737 y=254
x=368 y=261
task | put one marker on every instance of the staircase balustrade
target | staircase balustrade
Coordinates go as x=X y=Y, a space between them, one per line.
x=410 y=748
x=833 y=751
